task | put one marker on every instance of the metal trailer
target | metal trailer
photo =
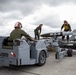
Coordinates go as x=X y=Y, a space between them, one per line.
x=62 y=48
x=71 y=44
x=59 y=52
x=23 y=52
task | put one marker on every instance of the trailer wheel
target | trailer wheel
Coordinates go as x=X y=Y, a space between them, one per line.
x=69 y=52
x=56 y=55
x=42 y=58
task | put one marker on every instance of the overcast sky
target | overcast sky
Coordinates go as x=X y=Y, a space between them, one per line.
x=31 y=13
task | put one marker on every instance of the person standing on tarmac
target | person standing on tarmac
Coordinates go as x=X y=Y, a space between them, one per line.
x=18 y=33
x=37 y=32
x=67 y=28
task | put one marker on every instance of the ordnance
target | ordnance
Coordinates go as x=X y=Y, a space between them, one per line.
x=62 y=48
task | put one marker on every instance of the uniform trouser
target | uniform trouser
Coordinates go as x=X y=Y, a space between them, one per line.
x=37 y=36
x=5 y=41
x=64 y=36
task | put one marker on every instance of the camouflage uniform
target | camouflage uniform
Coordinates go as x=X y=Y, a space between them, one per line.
x=37 y=32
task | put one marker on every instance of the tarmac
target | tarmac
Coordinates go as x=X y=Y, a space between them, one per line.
x=64 y=66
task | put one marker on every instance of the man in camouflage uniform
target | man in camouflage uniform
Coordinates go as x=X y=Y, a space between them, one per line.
x=18 y=33
x=67 y=28
x=37 y=32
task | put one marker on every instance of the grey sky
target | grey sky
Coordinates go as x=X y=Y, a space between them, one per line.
x=28 y=6
x=12 y=11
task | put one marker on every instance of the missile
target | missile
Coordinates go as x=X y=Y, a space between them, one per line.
x=52 y=34
x=56 y=34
